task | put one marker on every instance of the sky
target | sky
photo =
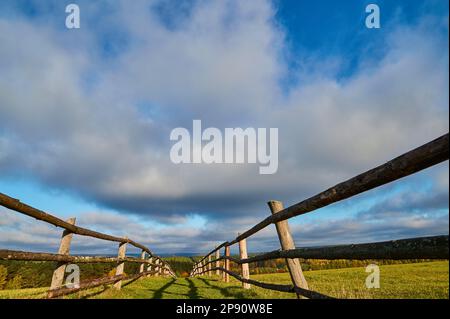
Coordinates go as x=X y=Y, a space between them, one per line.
x=86 y=115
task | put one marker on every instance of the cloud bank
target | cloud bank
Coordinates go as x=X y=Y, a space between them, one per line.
x=89 y=112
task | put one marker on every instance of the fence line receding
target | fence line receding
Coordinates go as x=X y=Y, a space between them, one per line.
x=155 y=264
x=425 y=156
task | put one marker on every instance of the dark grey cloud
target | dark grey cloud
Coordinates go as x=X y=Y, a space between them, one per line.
x=414 y=202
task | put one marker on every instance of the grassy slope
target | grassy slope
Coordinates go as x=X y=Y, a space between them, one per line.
x=422 y=280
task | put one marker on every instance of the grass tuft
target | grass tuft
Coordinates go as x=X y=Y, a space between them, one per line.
x=410 y=281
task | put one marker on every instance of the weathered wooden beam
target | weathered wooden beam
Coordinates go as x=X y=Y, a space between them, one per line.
x=64 y=249
x=209 y=265
x=18 y=206
x=157 y=267
x=29 y=256
x=283 y=288
x=149 y=264
x=423 y=157
x=218 y=248
x=25 y=209
x=244 y=267
x=224 y=257
x=217 y=252
x=94 y=283
x=287 y=242
x=120 y=267
x=142 y=266
x=227 y=263
x=435 y=247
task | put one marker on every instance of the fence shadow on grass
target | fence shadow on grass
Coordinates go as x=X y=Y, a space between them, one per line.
x=227 y=291
x=95 y=293
x=193 y=290
x=130 y=282
x=159 y=293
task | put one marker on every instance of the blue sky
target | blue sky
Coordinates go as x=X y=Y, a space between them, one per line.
x=90 y=137
x=330 y=27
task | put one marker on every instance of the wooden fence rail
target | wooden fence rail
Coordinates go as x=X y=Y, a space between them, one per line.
x=29 y=256
x=423 y=157
x=18 y=206
x=277 y=287
x=63 y=258
x=62 y=291
x=434 y=247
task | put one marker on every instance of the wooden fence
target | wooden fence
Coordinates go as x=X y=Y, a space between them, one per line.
x=149 y=265
x=423 y=157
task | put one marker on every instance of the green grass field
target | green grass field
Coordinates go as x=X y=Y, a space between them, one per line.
x=419 y=280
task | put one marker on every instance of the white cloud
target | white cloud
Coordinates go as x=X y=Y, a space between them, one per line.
x=99 y=126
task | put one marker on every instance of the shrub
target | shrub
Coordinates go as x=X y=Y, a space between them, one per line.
x=15 y=283
x=3 y=276
x=112 y=273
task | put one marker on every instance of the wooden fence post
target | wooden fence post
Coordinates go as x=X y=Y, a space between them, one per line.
x=217 y=262
x=227 y=263
x=287 y=242
x=157 y=267
x=149 y=267
x=120 y=267
x=64 y=249
x=223 y=264
x=245 y=269
x=141 y=269
x=209 y=265
x=166 y=270
x=161 y=268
